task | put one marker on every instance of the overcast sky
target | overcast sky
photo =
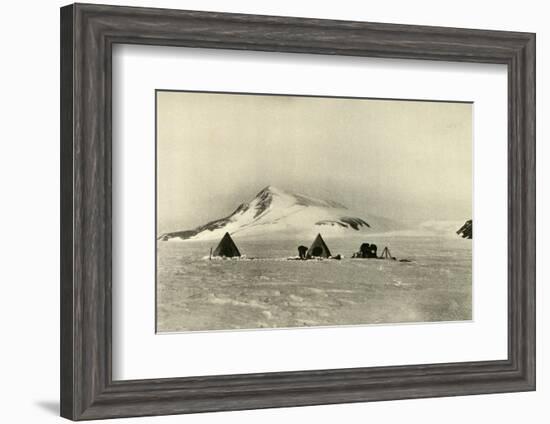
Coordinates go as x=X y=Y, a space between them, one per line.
x=405 y=160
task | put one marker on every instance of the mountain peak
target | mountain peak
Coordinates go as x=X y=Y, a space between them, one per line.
x=267 y=193
x=270 y=189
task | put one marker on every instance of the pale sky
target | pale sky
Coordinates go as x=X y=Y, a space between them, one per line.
x=406 y=160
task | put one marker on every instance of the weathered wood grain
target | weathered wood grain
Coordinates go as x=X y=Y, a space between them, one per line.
x=88 y=33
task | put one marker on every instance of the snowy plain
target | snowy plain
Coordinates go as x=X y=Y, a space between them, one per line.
x=269 y=291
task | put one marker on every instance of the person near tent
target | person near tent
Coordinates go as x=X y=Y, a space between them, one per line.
x=372 y=251
x=365 y=250
x=302 y=252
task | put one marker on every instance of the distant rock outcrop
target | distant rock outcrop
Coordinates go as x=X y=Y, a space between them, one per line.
x=466 y=230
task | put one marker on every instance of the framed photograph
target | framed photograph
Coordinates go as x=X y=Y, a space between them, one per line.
x=262 y=211
x=236 y=250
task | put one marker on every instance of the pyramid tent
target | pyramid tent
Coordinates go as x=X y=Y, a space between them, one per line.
x=227 y=247
x=318 y=248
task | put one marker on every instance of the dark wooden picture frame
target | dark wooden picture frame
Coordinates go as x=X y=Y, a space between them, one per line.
x=88 y=33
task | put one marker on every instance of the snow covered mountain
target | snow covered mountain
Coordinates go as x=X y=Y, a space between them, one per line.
x=275 y=213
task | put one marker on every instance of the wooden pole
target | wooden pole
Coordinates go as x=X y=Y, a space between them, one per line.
x=210 y=258
x=386 y=254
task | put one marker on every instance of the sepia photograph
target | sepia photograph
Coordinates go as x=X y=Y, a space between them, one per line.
x=288 y=211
